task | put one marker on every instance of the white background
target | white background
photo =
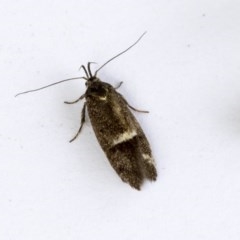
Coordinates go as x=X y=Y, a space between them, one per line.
x=185 y=71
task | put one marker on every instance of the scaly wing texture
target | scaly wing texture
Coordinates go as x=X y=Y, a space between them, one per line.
x=122 y=138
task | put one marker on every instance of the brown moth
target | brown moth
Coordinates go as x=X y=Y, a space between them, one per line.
x=117 y=130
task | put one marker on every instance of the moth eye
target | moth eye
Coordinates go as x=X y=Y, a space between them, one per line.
x=94 y=89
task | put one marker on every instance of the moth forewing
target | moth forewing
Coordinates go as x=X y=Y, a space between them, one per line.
x=119 y=134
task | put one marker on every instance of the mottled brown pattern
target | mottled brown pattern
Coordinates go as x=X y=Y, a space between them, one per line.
x=116 y=129
x=111 y=117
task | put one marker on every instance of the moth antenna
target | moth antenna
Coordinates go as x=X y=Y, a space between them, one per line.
x=37 y=89
x=119 y=54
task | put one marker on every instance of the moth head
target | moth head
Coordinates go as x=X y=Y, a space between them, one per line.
x=97 y=89
x=91 y=80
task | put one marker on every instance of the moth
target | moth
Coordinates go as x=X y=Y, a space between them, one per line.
x=117 y=130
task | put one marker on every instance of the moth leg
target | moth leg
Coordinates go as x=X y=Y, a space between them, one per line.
x=119 y=85
x=137 y=110
x=82 y=122
x=80 y=98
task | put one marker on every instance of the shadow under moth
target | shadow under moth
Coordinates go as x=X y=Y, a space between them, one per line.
x=117 y=130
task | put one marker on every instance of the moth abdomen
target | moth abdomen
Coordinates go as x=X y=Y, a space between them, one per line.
x=130 y=162
x=124 y=158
